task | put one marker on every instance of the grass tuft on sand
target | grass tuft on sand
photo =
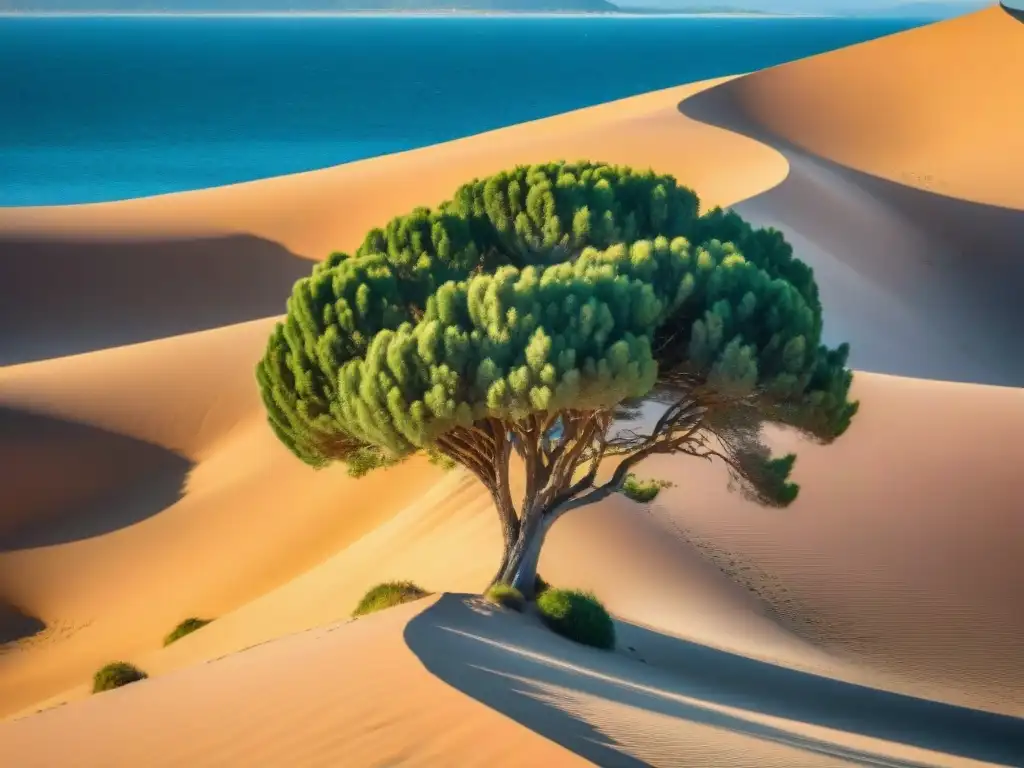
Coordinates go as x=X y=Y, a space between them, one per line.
x=187 y=627
x=577 y=615
x=506 y=596
x=388 y=595
x=115 y=675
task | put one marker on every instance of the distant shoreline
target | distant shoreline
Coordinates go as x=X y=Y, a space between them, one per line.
x=402 y=14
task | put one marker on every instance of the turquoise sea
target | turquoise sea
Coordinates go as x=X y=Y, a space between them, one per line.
x=105 y=108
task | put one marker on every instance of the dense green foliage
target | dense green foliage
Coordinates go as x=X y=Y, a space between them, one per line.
x=387 y=595
x=539 y=310
x=187 y=627
x=535 y=290
x=506 y=596
x=643 y=491
x=115 y=675
x=578 y=616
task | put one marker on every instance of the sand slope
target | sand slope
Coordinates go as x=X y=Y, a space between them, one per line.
x=903 y=191
x=141 y=484
x=365 y=699
x=356 y=692
x=929 y=108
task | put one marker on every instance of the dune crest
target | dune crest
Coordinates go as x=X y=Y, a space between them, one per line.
x=909 y=111
x=874 y=622
x=922 y=278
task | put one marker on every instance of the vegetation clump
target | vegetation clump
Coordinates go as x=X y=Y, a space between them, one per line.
x=578 y=616
x=388 y=595
x=115 y=675
x=506 y=596
x=529 y=317
x=187 y=627
x=642 y=491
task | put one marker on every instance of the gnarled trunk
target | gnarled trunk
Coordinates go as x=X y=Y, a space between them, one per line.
x=552 y=447
x=510 y=529
x=521 y=567
x=525 y=577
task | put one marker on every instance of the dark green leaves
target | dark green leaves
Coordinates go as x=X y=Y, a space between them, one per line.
x=539 y=289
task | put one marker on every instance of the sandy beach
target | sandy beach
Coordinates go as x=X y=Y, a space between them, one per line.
x=876 y=621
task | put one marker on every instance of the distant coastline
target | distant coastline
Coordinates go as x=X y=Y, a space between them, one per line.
x=631 y=13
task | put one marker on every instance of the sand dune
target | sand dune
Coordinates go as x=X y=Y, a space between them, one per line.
x=367 y=701
x=932 y=108
x=487 y=673
x=934 y=262
x=875 y=622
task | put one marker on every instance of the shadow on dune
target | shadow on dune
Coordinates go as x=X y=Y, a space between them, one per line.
x=517 y=667
x=967 y=278
x=14 y=625
x=63 y=297
x=1017 y=13
x=62 y=482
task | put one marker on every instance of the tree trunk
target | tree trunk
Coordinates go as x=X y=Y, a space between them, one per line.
x=509 y=527
x=500 y=574
x=525 y=578
x=521 y=568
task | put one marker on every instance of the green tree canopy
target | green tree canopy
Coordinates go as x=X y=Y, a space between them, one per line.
x=535 y=310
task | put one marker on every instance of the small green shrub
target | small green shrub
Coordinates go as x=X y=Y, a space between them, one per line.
x=642 y=491
x=506 y=596
x=115 y=675
x=540 y=586
x=387 y=595
x=578 y=616
x=187 y=627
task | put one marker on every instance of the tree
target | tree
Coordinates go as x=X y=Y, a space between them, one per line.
x=550 y=312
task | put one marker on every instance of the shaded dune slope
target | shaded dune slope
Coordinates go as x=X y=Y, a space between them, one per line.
x=65 y=296
x=107 y=481
x=894 y=573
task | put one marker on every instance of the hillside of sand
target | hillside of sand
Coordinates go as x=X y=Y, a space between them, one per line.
x=876 y=621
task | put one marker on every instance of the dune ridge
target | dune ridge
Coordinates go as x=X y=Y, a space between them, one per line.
x=922 y=212
x=874 y=622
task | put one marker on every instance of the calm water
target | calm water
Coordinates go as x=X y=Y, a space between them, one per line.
x=106 y=108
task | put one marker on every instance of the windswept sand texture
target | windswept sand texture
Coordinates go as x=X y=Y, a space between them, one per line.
x=875 y=622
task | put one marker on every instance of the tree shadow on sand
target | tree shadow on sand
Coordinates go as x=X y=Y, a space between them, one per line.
x=74 y=295
x=514 y=665
x=1017 y=13
x=62 y=482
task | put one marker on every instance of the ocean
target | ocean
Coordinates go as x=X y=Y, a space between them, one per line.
x=107 y=108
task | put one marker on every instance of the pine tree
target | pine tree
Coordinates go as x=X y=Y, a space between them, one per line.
x=532 y=313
